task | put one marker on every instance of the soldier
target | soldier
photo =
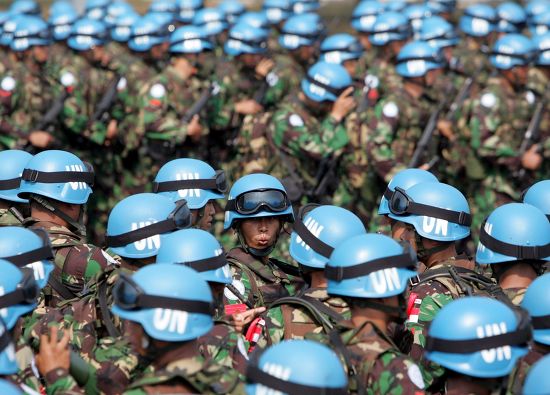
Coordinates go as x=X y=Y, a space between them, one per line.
x=162 y=6
x=317 y=231
x=58 y=185
x=257 y=210
x=213 y=22
x=537 y=379
x=309 y=367
x=512 y=18
x=186 y=10
x=200 y=251
x=362 y=20
x=516 y=253
x=480 y=352
x=120 y=19
x=96 y=9
x=232 y=10
x=61 y=18
x=538 y=307
x=277 y=12
x=8 y=364
x=12 y=208
x=370 y=272
x=417 y=13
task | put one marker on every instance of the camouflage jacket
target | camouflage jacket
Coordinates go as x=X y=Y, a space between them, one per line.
x=258 y=283
x=288 y=320
x=515 y=295
x=182 y=369
x=8 y=219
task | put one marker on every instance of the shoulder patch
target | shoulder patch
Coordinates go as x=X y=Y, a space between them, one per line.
x=8 y=84
x=372 y=81
x=242 y=348
x=530 y=97
x=296 y=121
x=390 y=110
x=122 y=83
x=272 y=79
x=215 y=88
x=157 y=91
x=488 y=100
x=109 y=258
x=240 y=287
x=67 y=79
x=416 y=376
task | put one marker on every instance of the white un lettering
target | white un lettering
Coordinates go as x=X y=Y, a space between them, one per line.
x=184 y=193
x=76 y=185
x=314 y=227
x=494 y=354
x=436 y=225
x=489 y=229
x=174 y=321
x=151 y=243
x=274 y=370
x=385 y=280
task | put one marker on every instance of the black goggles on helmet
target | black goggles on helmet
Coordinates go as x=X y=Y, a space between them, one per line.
x=406 y=260
x=128 y=295
x=273 y=200
x=27 y=291
x=218 y=184
x=56 y=177
x=521 y=336
x=42 y=253
x=206 y=264
x=335 y=91
x=179 y=218
x=307 y=236
x=518 y=251
x=401 y=204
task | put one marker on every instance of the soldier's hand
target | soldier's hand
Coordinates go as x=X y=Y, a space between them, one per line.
x=264 y=67
x=194 y=128
x=112 y=129
x=531 y=159
x=248 y=107
x=445 y=128
x=40 y=139
x=343 y=105
x=53 y=353
x=241 y=320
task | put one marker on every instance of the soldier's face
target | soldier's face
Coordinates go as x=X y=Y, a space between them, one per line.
x=250 y=60
x=40 y=53
x=517 y=75
x=204 y=222
x=432 y=76
x=364 y=40
x=404 y=232
x=351 y=66
x=261 y=232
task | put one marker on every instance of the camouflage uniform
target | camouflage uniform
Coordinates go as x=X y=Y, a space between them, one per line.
x=467 y=59
x=291 y=321
x=225 y=346
x=8 y=219
x=538 y=83
x=515 y=295
x=183 y=370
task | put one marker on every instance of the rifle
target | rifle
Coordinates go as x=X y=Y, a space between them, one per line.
x=259 y=95
x=432 y=121
x=197 y=107
x=54 y=111
x=104 y=105
x=532 y=133
x=325 y=176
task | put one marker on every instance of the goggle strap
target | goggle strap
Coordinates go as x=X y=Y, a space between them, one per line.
x=12 y=183
x=520 y=336
x=257 y=44
x=541 y=322
x=388 y=193
x=124 y=239
x=311 y=240
x=170 y=186
x=339 y=273
x=40 y=254
x=520 y=252
x=12 y=298
x=335 y=91
x=256 y=375
x=207 y=264
x=5 y=339
x=58 y=176
x=427 y=59
x=163 y=302
x=460 y=218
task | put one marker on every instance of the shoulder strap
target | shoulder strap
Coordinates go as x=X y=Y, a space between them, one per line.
x=338 y=344
x=286 y=268
x=318 y=314
x=105 y=312
x=61 y=289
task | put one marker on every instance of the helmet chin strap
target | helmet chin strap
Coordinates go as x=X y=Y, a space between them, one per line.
x=77 y=226
x=424 y=253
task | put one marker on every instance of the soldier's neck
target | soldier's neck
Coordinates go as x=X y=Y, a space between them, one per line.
x=318 y=279
x=360 y=315
x=46 y=216
x=5 y=205
x=519 y=275
x=439 y=256
x=413 y=89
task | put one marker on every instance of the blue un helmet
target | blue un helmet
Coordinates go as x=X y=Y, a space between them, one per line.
x=138 y=223
x=437 y=211
x=212 y=20
x=478 y=337
x=257 y=195
x=28 y=248
x=512 y=50
x=231 y=9
x=189 y=39
x=390 y=26
x=26 y=7
x=301 y=30
x=438 y=32
x=537 y=381
x=404 y=180
x=514 y=231
x=13 y=164
x=171 y=302
x=416 y=13
x=9 y=28
x=511 y=18
x=305 y=6
x=318 y=230
x=416 y=58
x=87 y=33
x=364 y=15
x=30 y=31
x=340 y=48
x=277 y=11
x=325 y=82
x=150 y=30
x=371 y=266
x=190 y=179
x=296 y=367
x=540 y=23
x=198 y=250
x=116 y=10
x=442 y=6
x=7 y=388
x=61 y=19
x=121 y=31
x=478 y=20
x=537 y=304
x=245 y=39
x=538 y=195
x=19 y=294
x=8 y=364
x=186 y=9
x=96 y=9
x=168 y=6
x=258 y=19
x=536 y=7
x=542 y=43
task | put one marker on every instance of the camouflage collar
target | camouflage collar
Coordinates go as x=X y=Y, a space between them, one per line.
x=369 y=333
